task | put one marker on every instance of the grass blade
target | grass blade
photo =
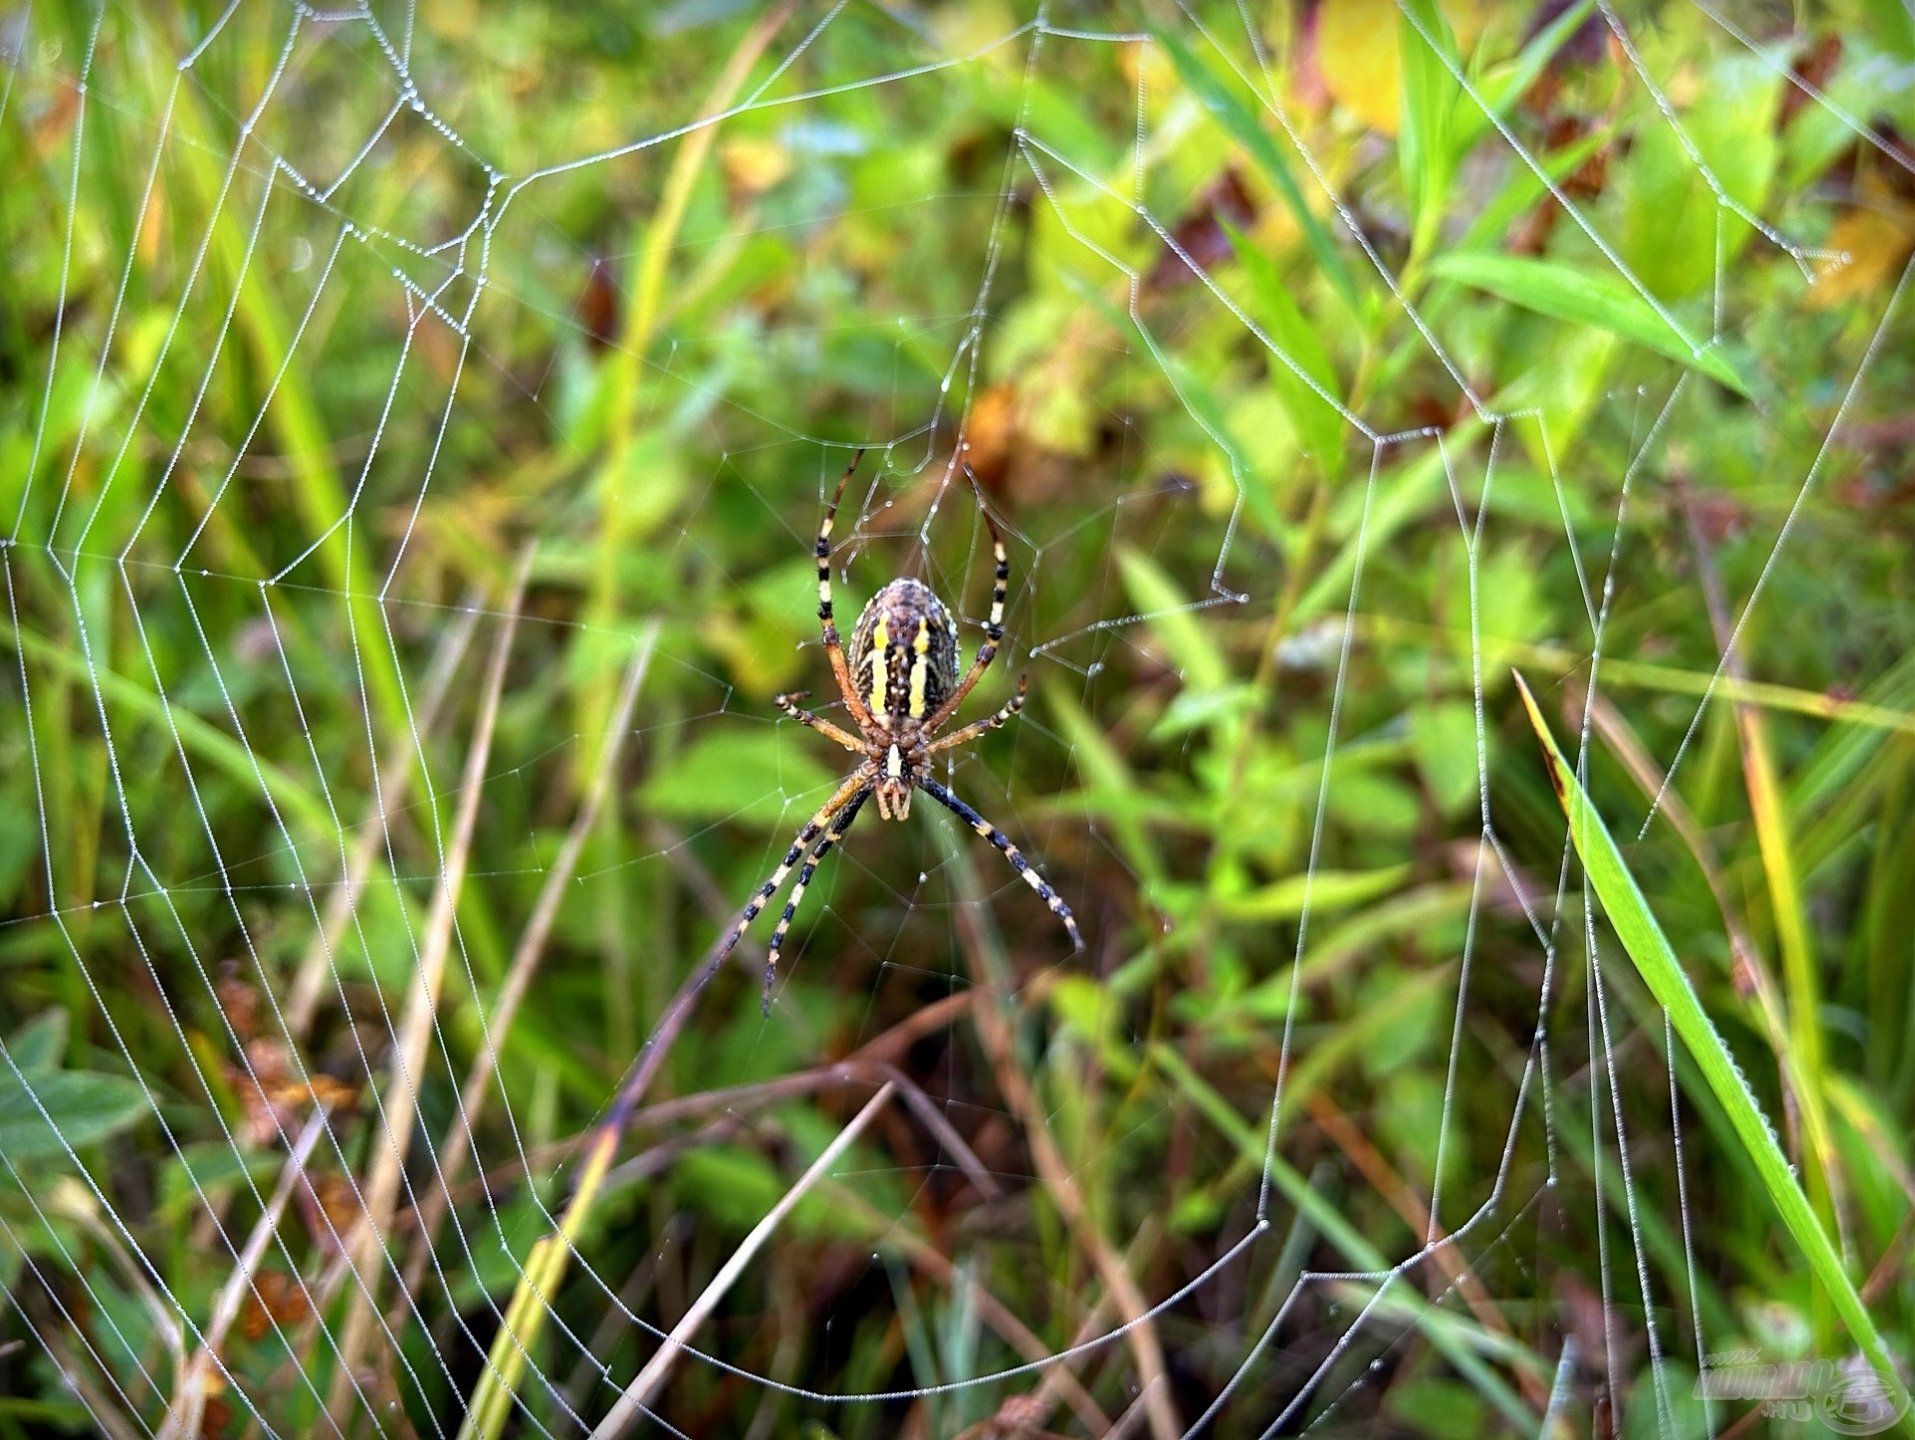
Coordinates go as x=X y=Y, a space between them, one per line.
x=1426 y=150
x=1648 y=948
x=1566 y=292
x=1241 y=124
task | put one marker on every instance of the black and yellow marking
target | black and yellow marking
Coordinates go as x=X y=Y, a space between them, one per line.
x=900 y=683
x=823 y=550
x=827 y=620
x=904 y=653
x=1000 y=589
x=1011 y=853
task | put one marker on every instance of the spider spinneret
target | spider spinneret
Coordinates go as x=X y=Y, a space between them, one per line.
x=900 y=683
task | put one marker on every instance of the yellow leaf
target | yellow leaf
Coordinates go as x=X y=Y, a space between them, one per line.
x=1144 y=65
x=1877 y=236
x=1359 y=61
x=1358 y=57
x=752 y=164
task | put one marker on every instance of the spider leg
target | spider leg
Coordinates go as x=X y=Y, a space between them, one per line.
x=789 y=704
x=834 y=647
x=978 y=727
x=993 y=627
x=831 y=838
x=858 y=780
x=1011 y=853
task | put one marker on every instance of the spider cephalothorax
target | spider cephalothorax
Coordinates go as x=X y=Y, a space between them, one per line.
x=900 y=684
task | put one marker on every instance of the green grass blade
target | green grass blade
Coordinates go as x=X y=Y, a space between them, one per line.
x=1642 y=938
x=1426 y=150
x=1503 y=86
x=1319 y=422
x=1566 y=292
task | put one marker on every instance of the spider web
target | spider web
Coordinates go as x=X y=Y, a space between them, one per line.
x=404 y=548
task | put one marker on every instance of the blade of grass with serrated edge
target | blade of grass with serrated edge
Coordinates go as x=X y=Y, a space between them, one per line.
x=1649 y=949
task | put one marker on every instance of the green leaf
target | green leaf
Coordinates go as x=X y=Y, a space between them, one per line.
x=1327 y=890
x=1649 y=949
x=1207 y=409
x=1443 y=739
x=1236 y=120
x=1424 y=149
x=1188 y=644
x=1503 y=86
x=39 y=1044
x=1525 y=187
x=1084 y=1004
x=1403 y=496
x=730 y=1187
x=1562 y=374
x=1567 y=292
x=1644 y=1416
x=1106 y=771
x=83 y=1107
x=207 y=1169
x=1676 y=235
x=1318 y=420
x=751 y=776
x=1196 y=709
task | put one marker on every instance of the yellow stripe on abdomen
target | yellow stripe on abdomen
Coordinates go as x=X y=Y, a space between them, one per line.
x=920 y=668
x=880 y=648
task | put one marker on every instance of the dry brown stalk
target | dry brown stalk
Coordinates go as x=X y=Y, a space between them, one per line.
x=459 y=1137
x=994 y=1033
x=380 y=1193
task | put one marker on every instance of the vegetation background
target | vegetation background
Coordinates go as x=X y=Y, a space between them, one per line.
x=320 y=784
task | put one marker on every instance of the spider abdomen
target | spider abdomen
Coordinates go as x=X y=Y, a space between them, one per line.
x=904 y=653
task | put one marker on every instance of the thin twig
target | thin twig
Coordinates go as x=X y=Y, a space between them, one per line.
x=101 y=1408
x=1139 y=1333
x=660 y=1365
x=381 y=1189
x=183 y=1417
x=992 y=1311
x=545 y=1267
x=459 y=1136
x=934 y=1121
x=302 y=996
x=870 y=1058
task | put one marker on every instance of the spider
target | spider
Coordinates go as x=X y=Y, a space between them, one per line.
x=900 y=683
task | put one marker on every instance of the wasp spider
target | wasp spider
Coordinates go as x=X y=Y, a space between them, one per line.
x=900 y=684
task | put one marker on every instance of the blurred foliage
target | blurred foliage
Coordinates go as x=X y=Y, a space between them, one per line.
x=275 y=455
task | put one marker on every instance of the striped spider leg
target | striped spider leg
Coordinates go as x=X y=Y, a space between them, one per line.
x=1011 y=853
x=823 y=848
x=849 y=795
x=900 y=684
